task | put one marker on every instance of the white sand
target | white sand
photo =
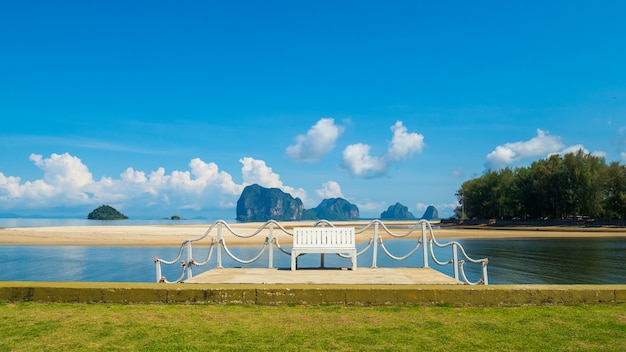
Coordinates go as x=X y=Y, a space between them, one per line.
x=174 y=235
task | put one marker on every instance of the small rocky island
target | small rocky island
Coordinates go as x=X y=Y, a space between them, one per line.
x=258 y=203
x=106 y=212
x=397 y=212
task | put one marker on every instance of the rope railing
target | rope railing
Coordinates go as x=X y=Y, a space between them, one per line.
x=382 y=246
x=242 y=261
x=426 y=241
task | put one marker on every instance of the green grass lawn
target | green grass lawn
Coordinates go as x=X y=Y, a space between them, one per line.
x=164 y=327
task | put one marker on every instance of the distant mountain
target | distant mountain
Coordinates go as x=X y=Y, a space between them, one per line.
x=397 y=212
x=431 y=213
x=336 y=209
x=258 y=203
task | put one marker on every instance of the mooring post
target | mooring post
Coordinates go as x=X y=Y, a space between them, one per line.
x=219 y=245
x=271 y=254
x=424 y=246
x=375 y=249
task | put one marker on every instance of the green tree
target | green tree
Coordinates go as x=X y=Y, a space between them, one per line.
x=614 y=191
x=556 y=187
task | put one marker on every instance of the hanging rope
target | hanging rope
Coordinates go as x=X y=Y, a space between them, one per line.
x=369 y=244
x=382 y=245
x=281 y=248
x=180 y=253
x=241 y=261
x=180 y=278
x=461 y=263
x=213 y=242
x=273 y=225
x=432 y=255
x=263 y=227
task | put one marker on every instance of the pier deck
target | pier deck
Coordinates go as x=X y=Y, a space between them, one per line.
x=369 y=276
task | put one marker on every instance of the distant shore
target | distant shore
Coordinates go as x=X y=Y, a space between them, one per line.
x=174 y=235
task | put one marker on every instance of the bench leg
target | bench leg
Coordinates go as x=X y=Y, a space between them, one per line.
x=354 y=261
x=294 y=261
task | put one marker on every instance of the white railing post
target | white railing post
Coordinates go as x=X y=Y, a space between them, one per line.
x=158 y=270
x=485 y=278
x=219 y=245
x=271 y=254
x=455 y=260
x=375 y=249
x=424 y=246
x=189 y=259
x=322 y=254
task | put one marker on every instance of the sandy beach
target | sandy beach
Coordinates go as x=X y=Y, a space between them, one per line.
x=174 y=235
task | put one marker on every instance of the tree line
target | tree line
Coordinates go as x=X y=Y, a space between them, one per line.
x=559 y=187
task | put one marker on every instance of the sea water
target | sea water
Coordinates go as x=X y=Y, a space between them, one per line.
x=511 y=261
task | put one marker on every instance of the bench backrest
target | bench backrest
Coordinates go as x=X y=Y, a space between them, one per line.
x=324 y=237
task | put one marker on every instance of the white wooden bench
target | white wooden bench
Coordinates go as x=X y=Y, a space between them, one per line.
x=322 y=240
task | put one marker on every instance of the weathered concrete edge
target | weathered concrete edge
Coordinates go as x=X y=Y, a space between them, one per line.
x=358 y=295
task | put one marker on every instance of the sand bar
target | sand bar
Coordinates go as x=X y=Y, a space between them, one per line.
x=174 y=235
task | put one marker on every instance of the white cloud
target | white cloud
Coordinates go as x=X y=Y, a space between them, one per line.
x=68 y=183
x=358 y=161
x=403 y=144
x=541 y=145
x=573 y=150
x=318 y=141
x=579 y=147
x=63 y=170
x=330 y=189
x=623 y=155
x=372 y=208
x=256 y=171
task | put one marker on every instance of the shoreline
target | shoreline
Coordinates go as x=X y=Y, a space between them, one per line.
x=175 y=235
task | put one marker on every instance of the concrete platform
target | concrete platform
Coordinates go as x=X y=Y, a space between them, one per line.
x=361 y=276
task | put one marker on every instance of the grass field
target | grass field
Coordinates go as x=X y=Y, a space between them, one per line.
x=163 y=327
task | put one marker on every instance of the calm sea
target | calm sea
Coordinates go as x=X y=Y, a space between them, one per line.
x=511 y=261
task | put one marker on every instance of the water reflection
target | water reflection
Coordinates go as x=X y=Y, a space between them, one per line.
x=553 y=261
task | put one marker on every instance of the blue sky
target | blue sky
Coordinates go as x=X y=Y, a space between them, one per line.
x=162 y=108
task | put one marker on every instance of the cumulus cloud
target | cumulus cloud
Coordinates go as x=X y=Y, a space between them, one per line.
x=579 y=147
x=256 y=171
x=540 y=145
x=403 y=143
x=330 y=189
x=543 y=145
x=317 y=142
x=371 y=207
x=358 y=161
x=68 y=183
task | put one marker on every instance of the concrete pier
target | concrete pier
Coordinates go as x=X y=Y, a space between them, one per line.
x=361 y=276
